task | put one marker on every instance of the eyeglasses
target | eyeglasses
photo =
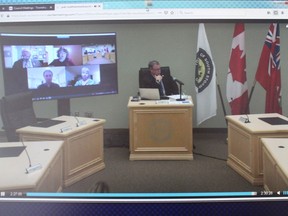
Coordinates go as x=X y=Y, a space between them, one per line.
x=156 y=69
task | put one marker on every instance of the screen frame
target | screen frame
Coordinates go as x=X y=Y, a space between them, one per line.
x=107 y=71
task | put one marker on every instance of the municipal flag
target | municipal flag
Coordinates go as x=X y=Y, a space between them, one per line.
x=205 y=79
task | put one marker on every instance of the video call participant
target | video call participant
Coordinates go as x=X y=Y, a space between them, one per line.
x=26 y=61
x=155 y=79
x=18 y=75
x=86 y=80
x=48 y=76
x=63 y=58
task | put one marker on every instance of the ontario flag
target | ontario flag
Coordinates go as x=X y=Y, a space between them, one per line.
x=268 y=72
x=237 y=87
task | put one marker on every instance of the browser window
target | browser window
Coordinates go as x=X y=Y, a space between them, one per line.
x=43 y=11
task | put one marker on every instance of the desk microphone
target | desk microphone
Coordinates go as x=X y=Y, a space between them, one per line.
x=180 y=86
x=31 y=168
x=178 y=81
x=247 y=119
x=26 y=153
x=77 y=123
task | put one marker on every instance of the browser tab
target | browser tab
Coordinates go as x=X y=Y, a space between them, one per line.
x=28 y=7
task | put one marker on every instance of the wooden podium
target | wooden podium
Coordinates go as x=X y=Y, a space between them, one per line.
x=161 y=130
x=83 y=144
x=245 y=153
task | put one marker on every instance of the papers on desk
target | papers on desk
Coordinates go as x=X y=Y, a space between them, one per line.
x=173 y=102
x=177 y=96
x=180 y=102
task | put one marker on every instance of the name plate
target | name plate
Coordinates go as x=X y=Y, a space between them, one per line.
x=80 y=123
x=244 y=120
x=65 y=129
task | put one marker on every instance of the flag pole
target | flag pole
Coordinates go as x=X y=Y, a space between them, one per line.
x=222 y=103
x=250 y=96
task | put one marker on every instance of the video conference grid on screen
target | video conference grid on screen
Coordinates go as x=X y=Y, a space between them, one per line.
x=59 y=66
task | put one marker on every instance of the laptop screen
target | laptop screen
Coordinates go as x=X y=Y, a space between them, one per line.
x=149 y=93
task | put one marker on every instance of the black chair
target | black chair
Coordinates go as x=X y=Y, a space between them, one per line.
x=17 y=111
x=171 y=87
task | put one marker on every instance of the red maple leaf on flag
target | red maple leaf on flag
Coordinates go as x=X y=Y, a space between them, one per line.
x=237 y=64
x=237 y=87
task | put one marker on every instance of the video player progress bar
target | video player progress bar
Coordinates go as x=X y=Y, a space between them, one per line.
x=143 y=195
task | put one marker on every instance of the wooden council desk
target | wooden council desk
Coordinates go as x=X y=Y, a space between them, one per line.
x=83 y=144
x=47 y=179
x=161 y=130
x=244 y=145
x=275 y=164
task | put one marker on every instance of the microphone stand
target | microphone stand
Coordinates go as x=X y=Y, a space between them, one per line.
x=180 y=99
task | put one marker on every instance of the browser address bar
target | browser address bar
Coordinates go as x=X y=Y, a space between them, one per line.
x=86 y=7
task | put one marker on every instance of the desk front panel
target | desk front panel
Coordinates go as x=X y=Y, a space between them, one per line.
x=83 y=146
x=84 y=155
x=241 y=150
x=53 y=179
x=245 y=154
x=275 y=163
x=161 y=133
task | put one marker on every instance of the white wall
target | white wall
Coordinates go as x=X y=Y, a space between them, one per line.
x=174 y=45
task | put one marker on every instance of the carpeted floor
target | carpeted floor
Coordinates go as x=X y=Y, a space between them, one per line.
x=208 y=172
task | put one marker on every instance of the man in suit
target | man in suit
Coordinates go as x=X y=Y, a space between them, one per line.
x=155 y=79
x=26 y=61
x=18 y=74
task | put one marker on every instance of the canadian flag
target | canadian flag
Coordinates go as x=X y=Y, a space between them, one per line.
x=237 y=87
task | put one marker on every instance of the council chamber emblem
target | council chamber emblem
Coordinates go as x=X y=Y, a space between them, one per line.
x=204 y=70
